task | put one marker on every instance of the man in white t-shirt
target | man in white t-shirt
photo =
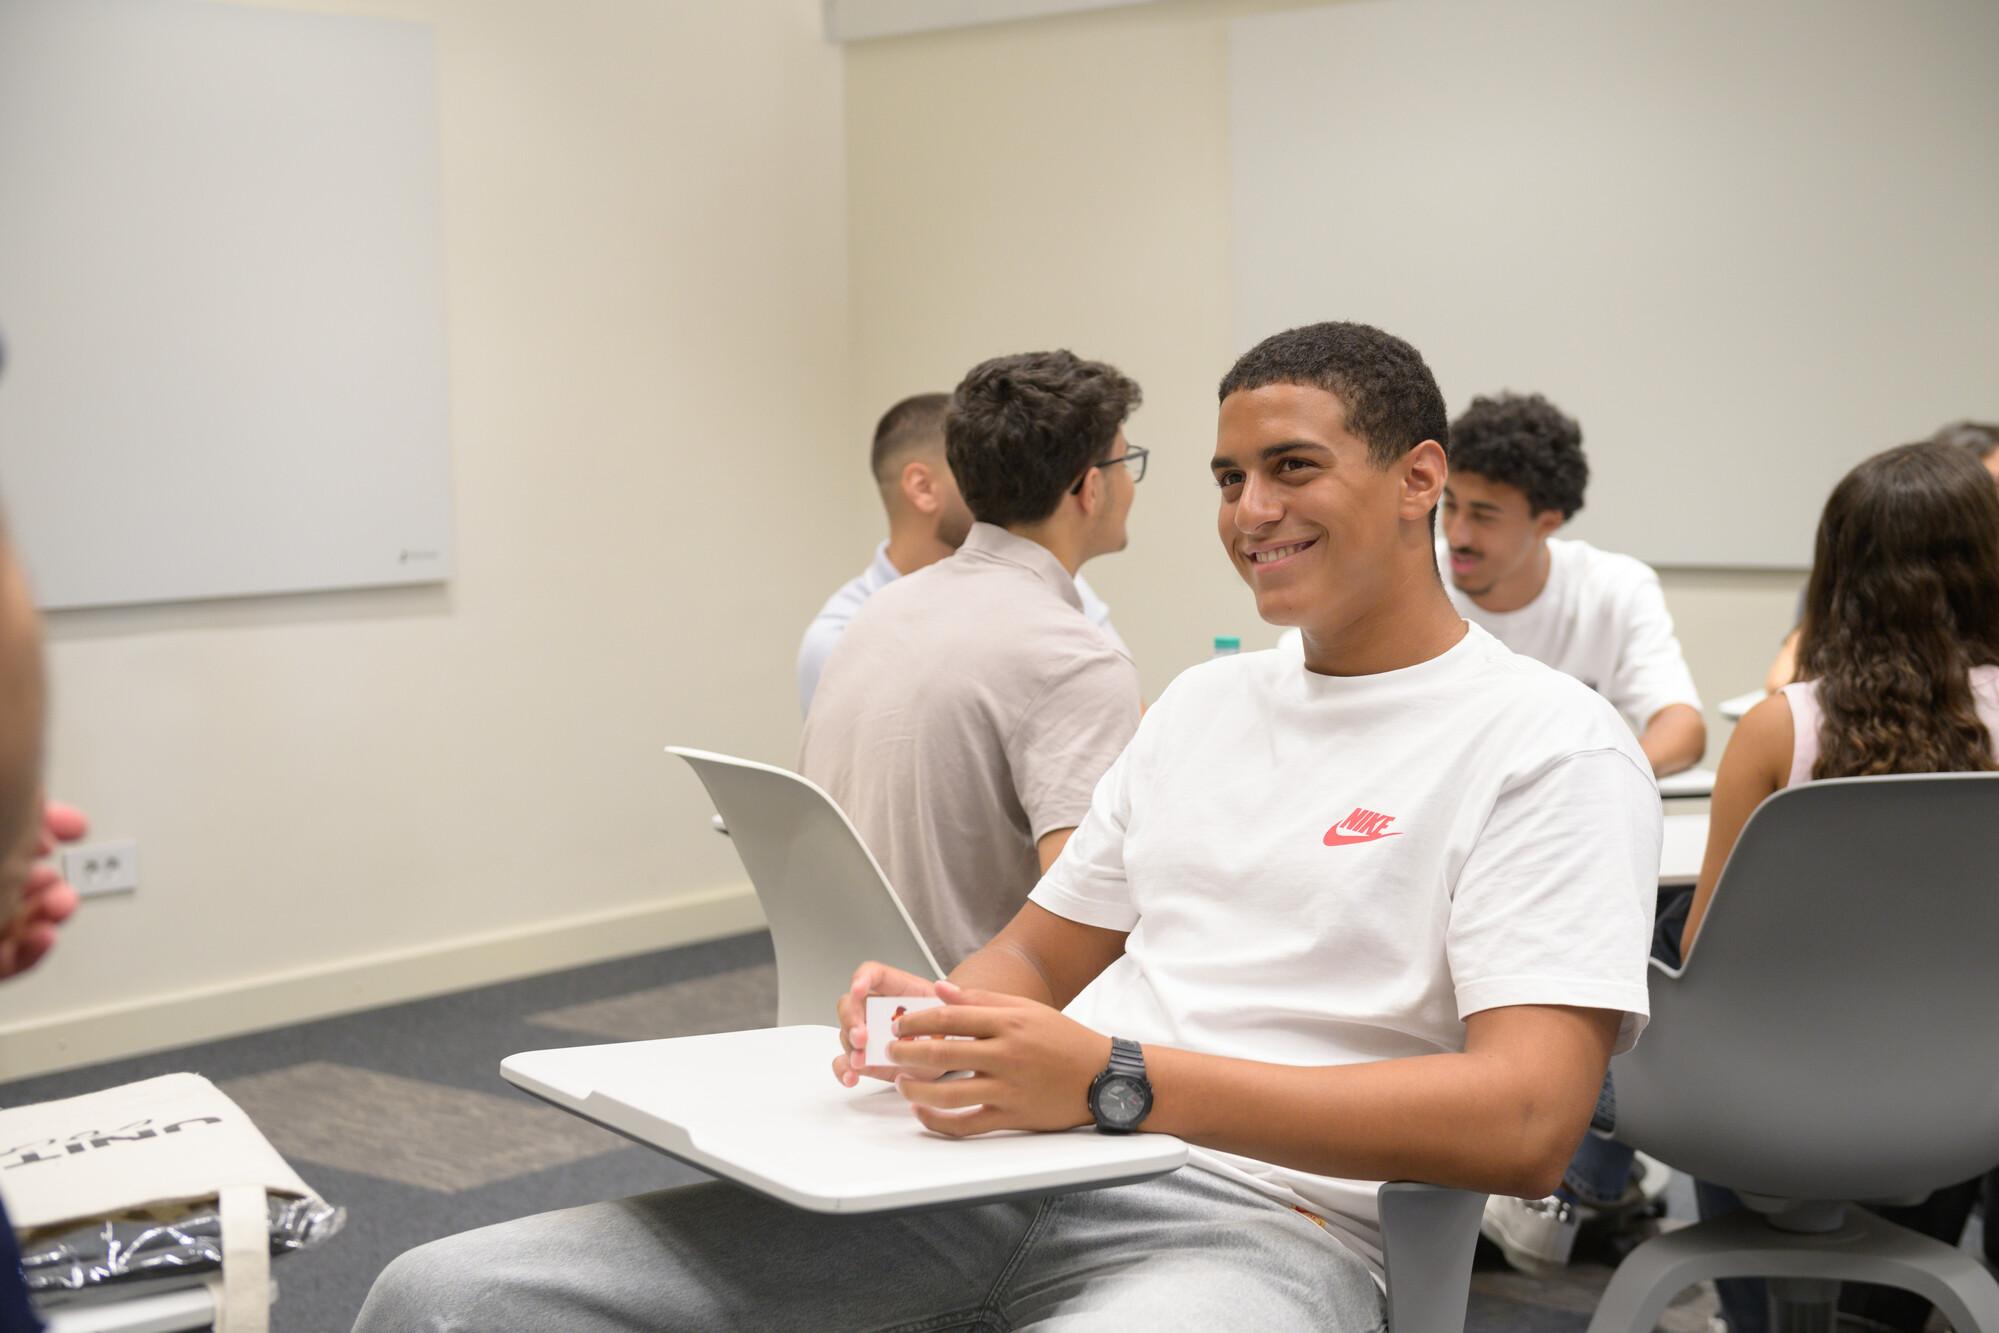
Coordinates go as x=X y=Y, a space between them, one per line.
x=1517 y=475
x=1375 y=909
x=927 y=520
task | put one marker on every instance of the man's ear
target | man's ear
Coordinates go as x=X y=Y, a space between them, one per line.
x=1547 y=520
x=1093 y=494
x=919 y=487
x=1424 y=473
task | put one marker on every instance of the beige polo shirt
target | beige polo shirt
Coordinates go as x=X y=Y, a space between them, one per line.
x=968 y=710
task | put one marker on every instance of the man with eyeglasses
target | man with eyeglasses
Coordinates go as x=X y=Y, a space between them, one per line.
x=965 y=715
x=927 y=521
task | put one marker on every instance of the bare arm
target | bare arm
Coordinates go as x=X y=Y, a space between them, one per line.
x=1041 y=956
x=1038 y=954
x=1784 y=668
x=1504 y=1115
x=1757 y=762
x=1674 y=739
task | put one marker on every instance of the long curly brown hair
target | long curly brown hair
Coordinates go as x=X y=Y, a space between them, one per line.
x=1903 y=601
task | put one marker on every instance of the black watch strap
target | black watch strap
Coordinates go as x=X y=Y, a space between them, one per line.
x=1127 y=1057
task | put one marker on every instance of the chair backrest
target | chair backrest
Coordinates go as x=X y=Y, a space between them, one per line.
x=1835 y=1031
x=828 y=904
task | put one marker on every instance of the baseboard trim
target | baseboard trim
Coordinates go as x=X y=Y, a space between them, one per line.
x=251 y=1004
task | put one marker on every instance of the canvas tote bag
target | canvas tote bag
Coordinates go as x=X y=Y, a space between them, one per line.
x=158 y=1143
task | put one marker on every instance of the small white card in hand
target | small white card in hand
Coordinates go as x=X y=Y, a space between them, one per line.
x=883 y=1010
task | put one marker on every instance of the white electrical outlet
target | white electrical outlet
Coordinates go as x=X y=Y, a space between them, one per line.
x=102 y=867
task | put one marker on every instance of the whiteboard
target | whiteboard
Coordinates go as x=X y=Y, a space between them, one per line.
x=1745 y=245
x=221 y=288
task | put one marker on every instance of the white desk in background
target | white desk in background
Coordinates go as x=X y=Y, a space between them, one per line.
x=1689 y=782
x=1733 y=709
x=1681 y=851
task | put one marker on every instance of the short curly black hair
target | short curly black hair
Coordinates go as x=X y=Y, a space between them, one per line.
x=1390 y=396
x=1021 y=429
x=1523 y=441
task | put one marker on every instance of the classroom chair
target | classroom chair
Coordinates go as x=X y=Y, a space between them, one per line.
x=823 y=894
x=828 y=904
x=1428 y=1236
x=1829 y=1042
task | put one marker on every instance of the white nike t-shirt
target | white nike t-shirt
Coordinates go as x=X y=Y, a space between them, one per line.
x=1321 y=870
x=1601 y=618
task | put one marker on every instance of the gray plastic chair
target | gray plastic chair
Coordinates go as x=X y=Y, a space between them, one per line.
x=829 y=905
x=1428 y=1236
x=823 y=894
x=1831 y=1040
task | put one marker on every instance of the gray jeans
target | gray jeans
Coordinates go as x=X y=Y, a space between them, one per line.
x=1189 y=1250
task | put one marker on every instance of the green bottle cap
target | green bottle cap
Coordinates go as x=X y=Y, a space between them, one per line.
x=1227 y=643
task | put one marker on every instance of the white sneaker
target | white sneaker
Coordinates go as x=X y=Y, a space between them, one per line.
x=1651 y=1175
x=1535 y=1235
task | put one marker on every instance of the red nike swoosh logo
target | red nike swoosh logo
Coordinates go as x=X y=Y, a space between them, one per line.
x=1335 y=838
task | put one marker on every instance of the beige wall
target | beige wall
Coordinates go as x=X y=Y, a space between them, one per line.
x=661 y=391
x=348 y=798
x=1064 y=182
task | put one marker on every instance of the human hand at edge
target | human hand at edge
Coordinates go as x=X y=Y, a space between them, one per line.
x=870 y=978
x=1031 y=1065
x=46 y=898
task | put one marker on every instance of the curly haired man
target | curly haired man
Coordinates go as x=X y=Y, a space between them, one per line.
x=1517 y=475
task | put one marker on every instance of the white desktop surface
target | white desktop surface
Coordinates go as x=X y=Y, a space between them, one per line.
x=1680 y=853
x=762 y=1108
x=1687 y=782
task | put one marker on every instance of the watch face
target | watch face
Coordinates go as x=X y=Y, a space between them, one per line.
x=1123 y=1101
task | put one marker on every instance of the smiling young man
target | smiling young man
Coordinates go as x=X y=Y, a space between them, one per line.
x=1377 y=908
x=1517 y=475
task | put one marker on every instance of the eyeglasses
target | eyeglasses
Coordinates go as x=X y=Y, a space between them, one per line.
x=1133 y=459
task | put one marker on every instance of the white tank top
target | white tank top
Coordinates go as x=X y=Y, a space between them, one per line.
x=1806 y=716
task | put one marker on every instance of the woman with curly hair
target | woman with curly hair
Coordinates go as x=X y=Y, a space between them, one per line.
x=1901 y=663
x=1898 y=660
x=1898 y=656
x=1978 y=438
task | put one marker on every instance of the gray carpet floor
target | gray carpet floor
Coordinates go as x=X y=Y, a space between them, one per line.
x=399 y=1115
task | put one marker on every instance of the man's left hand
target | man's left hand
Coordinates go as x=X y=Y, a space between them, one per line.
x=1031 y=1067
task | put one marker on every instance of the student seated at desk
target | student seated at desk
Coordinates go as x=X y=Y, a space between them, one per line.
x=1981 y=441
x=965 y=716
x=1901 y=676
x=1377 y=909
x=1517 y=475
x=927 y=520
x=1899 y=673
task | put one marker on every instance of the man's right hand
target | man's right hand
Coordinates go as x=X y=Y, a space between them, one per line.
x=871 y=979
